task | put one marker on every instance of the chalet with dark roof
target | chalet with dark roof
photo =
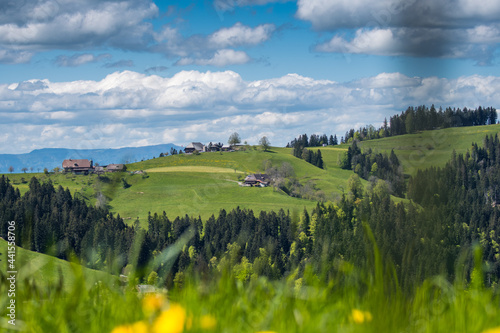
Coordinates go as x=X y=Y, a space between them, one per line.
x=213 y=147
x=78 y=166
x=195 y=146
x=257 y=179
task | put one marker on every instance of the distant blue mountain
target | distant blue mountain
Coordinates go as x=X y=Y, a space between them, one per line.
x=50 y=158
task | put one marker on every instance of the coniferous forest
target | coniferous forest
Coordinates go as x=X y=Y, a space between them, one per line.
x=368 y=261
x=421 y=118
x=451 y=209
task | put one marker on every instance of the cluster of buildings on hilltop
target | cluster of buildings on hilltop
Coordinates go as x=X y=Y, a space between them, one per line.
x=256 y=179
x=211 y=147
x=86 y=166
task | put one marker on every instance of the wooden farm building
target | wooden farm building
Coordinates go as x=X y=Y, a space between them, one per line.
x=78 y=166
x=257 y=179
x=213 y=147
x=195 y=146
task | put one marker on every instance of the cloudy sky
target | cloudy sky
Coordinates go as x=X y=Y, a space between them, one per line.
x=115 y=73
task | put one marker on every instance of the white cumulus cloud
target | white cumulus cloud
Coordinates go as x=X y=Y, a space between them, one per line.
x=216 y=49
x=39 y=25
x=130 y=108
x=423 y=28
x=239 y=34
x=221 y=58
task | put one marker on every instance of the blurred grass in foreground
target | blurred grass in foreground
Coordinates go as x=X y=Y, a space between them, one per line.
x=356 y=300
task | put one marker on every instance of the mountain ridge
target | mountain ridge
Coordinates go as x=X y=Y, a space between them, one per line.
x=38 y=159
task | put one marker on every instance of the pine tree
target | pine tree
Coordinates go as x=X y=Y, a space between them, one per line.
x=319 y=160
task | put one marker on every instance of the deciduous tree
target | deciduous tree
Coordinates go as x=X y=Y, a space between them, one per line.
x=234 y=139
x=264 y=143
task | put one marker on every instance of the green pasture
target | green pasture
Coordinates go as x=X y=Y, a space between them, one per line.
x=49 y=272
x=431 y=148
x=194 y=194
x=203 y=184
x=356 y=299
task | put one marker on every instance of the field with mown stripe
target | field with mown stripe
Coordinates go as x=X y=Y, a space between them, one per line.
x=202 y=185
x=193 y=168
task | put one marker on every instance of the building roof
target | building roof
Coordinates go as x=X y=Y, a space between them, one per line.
x=258 y=177
x=112 y=167
x=195 y=145
x=71 y=164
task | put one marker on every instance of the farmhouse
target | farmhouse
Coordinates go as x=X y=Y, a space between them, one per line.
x=257 y=179
x=198 y=146
x=78 y=166
x=213 y=147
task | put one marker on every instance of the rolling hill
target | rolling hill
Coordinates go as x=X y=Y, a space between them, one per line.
x=431 y=148
x=46 y=270
x=202 y=185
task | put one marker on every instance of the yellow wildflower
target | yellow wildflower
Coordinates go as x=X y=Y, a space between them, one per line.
x=152 y=302
x=360 y=317
x=492 y=330
x=171 y=320
x=138 y=327
x=122 y=329
x=208 y=322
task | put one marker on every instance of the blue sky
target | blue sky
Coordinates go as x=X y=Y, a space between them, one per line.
x=91 y=74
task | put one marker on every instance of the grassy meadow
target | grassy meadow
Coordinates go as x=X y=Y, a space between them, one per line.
x=205 y=183
x=46 y=271
x=53 y=295
x=355 y=300
x=431 y=148
x=201 y=185
x=197 y=185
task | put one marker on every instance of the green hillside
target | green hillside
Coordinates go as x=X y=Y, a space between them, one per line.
x=199 y=184
x=205 y=183
x=46 y=270
x=431 y=148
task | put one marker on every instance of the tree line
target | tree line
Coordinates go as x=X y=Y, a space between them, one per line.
x=310 y=156
x=313 y=141
x=421 y=118
x=427 y=236
x=313 y=157
x=50 y=220
x=369 y=164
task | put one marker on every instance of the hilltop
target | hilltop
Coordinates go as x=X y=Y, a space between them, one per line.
x=202 y=185
x=431 y=148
